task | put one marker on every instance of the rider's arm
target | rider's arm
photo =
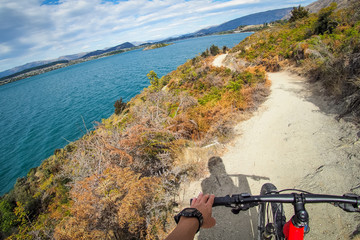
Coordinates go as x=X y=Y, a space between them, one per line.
x=186 y=229
x=187 y=226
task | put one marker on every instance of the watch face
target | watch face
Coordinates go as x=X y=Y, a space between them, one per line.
x=189 y=210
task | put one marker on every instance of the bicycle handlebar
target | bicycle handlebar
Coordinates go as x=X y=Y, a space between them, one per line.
x=347 y=202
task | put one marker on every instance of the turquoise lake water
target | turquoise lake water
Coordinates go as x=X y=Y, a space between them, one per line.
x=45 y=112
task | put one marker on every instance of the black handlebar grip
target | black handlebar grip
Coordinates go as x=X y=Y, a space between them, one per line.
x=222 y=201
x=219 y=201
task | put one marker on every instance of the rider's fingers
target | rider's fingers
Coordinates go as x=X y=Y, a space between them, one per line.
x=199 y=198
x=205 y=198
x=210 y=201
x=193 y=202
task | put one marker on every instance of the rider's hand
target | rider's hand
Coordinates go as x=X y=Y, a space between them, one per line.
x=204 y=203
x=187 y=227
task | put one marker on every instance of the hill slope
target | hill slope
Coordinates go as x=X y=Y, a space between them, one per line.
x=320 y=4
x=116 y=48
x=252 y=19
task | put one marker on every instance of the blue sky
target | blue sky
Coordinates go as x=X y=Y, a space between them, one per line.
x=33 y=30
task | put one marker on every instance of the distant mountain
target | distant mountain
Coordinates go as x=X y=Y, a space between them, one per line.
x=252 y=19
x=71 y=57
x=318 y=5
x=64 y=58
x=138 y=43
x=116 y=48
x=40 y=63
x=23 y=67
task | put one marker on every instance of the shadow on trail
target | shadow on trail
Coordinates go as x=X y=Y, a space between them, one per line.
x=228 y=225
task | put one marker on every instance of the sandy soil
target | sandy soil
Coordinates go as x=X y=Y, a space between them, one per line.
x=218 y=61
x=291 y=143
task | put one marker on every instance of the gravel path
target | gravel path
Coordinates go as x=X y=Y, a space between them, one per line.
x=290 y=142
x=218 y=61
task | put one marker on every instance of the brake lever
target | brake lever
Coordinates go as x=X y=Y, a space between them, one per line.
x=242 y=205
x=350 y=207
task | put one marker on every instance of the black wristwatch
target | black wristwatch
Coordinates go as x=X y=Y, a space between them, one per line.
x=190 y=212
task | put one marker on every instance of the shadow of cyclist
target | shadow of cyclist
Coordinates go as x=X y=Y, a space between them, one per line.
x=228 y=225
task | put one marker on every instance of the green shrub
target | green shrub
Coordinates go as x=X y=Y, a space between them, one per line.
x=298 y=13
x=119 y=105
x=205 y=53
x=235 y=85
x=165 y=80
x=325 y=24
x=225 y=49
x=213 y=96
x=7 y=216
x=214 y=50
x=154 y=80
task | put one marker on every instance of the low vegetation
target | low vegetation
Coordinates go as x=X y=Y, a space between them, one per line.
x=120 y=106
x=120 y=180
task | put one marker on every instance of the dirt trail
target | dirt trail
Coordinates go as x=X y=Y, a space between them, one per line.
x=290 y=142
x=218 y=61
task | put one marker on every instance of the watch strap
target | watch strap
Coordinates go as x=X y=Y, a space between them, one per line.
x=190 y=212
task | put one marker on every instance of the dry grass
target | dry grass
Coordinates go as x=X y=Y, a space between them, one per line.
x=164 y=137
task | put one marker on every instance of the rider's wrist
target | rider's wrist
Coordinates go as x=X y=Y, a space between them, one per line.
x=192 y=223
x=190 y=213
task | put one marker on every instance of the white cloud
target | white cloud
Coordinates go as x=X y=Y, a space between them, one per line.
x=223 y=5
x=33 y=31
x=4 y=49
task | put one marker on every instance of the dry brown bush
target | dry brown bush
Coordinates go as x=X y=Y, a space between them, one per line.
x=115 y=204
x=271 y=64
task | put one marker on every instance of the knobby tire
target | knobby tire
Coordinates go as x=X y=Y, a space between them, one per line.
x=270 y=213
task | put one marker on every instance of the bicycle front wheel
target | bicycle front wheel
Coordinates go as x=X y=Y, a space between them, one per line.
x=271 y=217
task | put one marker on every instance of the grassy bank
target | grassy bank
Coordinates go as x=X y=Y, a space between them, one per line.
x=120 y=180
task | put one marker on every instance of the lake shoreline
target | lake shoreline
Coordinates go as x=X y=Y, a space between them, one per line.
x=39 y=70
x=46 y=109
